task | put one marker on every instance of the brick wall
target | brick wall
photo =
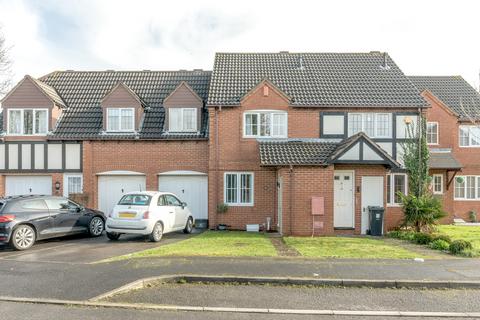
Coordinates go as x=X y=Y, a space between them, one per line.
x=148 y=157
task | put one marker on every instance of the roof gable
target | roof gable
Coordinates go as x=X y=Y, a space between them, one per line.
x=120 y=86
x=184 y=88
x=359 y=149
x=261 y=85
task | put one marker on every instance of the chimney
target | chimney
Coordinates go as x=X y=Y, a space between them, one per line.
x=385 y=65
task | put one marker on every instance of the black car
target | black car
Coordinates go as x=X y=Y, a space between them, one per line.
x=26 y=219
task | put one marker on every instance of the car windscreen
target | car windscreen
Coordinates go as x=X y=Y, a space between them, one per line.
x=135 y=200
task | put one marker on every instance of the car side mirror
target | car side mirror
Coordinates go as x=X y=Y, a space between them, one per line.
x=184 y=204
x=79 y=209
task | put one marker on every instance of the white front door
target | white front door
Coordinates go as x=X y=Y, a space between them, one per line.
x=343 y=211
x=112 y=188
x=372 y=195
x=192 y=189
x=25 y=185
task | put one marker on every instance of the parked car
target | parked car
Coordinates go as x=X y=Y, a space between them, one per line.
x=26 y=219
x=149 y=213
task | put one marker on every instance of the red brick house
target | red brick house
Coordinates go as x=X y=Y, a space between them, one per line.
x=286 y=142
x=453 y=135
x=304 y=142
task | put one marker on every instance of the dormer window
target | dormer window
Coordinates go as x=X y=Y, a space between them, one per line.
x=182 y=119
x=27 y=121
x=120 y=119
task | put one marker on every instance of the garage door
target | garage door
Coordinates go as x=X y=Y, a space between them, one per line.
x=111 y=189
x=20 y=185
x=192 y=189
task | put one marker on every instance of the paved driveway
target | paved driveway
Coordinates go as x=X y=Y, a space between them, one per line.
x=81 y=249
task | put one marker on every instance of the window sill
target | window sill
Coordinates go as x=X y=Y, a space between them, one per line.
x=239 y=204
x=395 y=205
x=470 y=200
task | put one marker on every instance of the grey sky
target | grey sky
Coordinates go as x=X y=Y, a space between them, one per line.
x=423 y=37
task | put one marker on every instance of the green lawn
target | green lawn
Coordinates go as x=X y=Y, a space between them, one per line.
x=216 y=243
x=468 y=233
x=345 y=247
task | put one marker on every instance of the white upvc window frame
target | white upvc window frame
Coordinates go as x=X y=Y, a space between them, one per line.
x=239 y=174
x=364 y=123
x=65 y=182
x=435 y=176
x=22 y=117
x=436 y=133
x=272 y=114
x=476 y=179
x=120 y=129
x=182 y=116
x=470 y=145
x=391 y=202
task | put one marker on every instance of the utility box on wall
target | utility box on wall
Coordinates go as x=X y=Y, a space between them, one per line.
x=318 y=210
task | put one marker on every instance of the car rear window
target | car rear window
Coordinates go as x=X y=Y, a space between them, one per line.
x=135 y=200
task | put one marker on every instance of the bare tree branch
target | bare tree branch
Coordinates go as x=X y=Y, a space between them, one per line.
x=5 y=67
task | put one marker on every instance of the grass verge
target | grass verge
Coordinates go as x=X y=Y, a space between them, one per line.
x=467 y=233
x=345 y=247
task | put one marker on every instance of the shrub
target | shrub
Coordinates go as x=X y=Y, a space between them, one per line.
x=460 y=246
x=408 y=235
x=395 y=234
x=422 y=238
x=421 y=212
x=472 y=215
x=439 y=244
x=443 y=237
x=222 y=208
x=401 y=234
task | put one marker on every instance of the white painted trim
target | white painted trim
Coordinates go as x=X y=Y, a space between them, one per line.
x=120 y=119
x=65 y=182
x=352 y=172
x=120 y=173
x=390 y=202
x=182 y=110
x=438 y=136
x=181 y=173
x=258 y=112
x=477 y=192
x=238 y=204
x=22 y=112
x=441 y=184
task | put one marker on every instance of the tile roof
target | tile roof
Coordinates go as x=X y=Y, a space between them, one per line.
x=443 y=159
x=296 y=151
x=83 y=91
x=454 y=92
x=50 y=92
x=315 y=79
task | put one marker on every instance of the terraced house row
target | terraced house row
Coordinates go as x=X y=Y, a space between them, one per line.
x=299 y=142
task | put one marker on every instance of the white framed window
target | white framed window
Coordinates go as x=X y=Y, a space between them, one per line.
x=467 y=188
x=238 y=188
x=437 y=184
x=182 y=119
x=120 y=119
x=72 y=183
x=469 y=136
x=375 y=125
x=27 y=121
x=265 y=124
x=432 y=132
x=396 y=182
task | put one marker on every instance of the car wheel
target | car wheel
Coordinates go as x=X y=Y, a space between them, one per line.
x=23 y=237
x=189 y=226
x=113 y=236
x=157 y=232
x=96 y=227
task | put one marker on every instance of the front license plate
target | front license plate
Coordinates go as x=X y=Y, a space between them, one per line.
x=127 y=215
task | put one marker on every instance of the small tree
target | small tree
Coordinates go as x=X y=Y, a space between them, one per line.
x=421 y=210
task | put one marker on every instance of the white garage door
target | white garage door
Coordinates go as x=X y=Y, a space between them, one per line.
x=111 y=189
x=20 y=185
x=192 y=189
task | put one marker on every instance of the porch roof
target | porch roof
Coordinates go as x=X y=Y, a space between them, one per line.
x=357 y=149
x=443 y=159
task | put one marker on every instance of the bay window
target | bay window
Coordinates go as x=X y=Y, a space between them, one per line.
x=238 y=188
x=120 y=119
x=182 y=119
x=27 y=121
x=467 y=188
x=469 y=136
x=396 y=182
x=265 y=124
x=375 y=125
